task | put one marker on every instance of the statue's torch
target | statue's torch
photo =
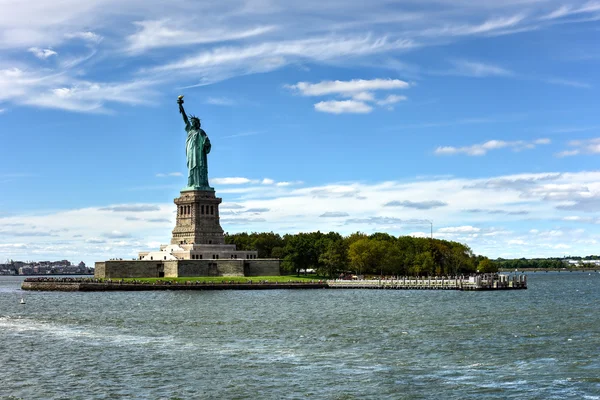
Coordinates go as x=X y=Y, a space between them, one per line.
x=180 y=102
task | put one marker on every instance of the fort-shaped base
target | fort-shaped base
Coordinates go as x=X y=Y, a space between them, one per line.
x=198 y=218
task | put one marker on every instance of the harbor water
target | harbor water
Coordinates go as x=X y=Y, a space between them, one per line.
x=539 y=343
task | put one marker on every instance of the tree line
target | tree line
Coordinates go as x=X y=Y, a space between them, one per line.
x=539 y=263
x=331 y=254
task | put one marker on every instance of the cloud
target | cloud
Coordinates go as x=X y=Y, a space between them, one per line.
x=27 y=234
x=482 y=148
x=230 y=181
x=42 y=54
x=159 y=220
x=585 y=204
x=419 y=205
x=497 y=212
x=267 y=181
x=116 y=235
x=459 y=229
x=487 y=27
x=391 y=99
x=153 y=34
x=334 y=214
x=58 y=90
x=477 y=69
x=587 y=146
x=88 y=36
x=131 y=208
x=568 y=82
x=95 y=241
x=163 y=175
x=231 y=206
x=347 y=88
x=565 y=11
x=343 y=107
x=257 y=210
x=220 y=101
x=547 y=198
x=223 y=62
x=359 y=90
x=375 y=221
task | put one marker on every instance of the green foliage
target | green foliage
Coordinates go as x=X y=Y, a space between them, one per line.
x=522 y=263
x=331 y=254
x=486 y=265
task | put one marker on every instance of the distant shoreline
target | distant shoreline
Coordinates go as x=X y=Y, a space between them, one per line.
x=500 y=270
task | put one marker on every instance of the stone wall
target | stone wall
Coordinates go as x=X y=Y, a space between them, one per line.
x=100 y=270
x=179 y=268
x=262 y=267
x=129 y=269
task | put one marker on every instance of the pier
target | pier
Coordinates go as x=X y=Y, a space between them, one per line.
x=464 y=283
x=477 y=282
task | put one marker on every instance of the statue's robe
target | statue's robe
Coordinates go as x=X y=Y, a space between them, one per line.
x=197 y=146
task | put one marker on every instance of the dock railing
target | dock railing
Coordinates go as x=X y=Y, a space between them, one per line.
x=461 y=282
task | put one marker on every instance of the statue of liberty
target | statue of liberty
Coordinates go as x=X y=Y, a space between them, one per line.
x=197 y=146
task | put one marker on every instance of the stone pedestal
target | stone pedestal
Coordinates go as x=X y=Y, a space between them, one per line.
x=198 y=218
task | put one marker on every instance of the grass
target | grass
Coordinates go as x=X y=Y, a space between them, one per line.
x=227 y=279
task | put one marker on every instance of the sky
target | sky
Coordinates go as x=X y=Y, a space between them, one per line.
x=475 y=121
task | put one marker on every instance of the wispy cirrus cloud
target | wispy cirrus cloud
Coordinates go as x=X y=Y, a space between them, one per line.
x=483 y=148
x=477 y=69
x=42 y=53
x=223 y=62
x=164 y=175
x=152 y=34
x=587 y=146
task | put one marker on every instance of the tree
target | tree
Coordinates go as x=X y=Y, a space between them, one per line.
x=487 y=266
x=334 y=258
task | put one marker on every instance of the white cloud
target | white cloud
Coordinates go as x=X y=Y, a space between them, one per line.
x=459 y=229
x=267 y=181
x=168 y=33
x=486 y=27
x=565 y=11
x=220 y=101
x=223 y=62
x=343 y=107
x=42 y=53
x=353 y=87
x=587 y=146
x=363 y=96
x=478 y=69
x=391 y=99
x=163 y=175
x=482 y=148
x=230 y=181
x=87 y=36
x=343 y=207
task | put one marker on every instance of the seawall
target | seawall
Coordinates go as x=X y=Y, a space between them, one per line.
x=116 y=286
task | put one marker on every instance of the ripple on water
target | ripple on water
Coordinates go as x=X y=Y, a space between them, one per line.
x=297 y=344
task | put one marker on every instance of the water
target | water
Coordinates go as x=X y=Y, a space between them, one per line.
x=540 y=343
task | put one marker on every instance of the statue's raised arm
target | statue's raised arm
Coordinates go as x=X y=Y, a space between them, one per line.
x=182 y=111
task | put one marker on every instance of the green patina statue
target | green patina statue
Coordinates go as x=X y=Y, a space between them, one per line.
x=197 y=146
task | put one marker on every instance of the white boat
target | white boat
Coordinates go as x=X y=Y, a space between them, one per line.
x=22 y=301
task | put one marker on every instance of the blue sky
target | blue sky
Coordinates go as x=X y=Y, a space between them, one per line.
x=481 y=117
